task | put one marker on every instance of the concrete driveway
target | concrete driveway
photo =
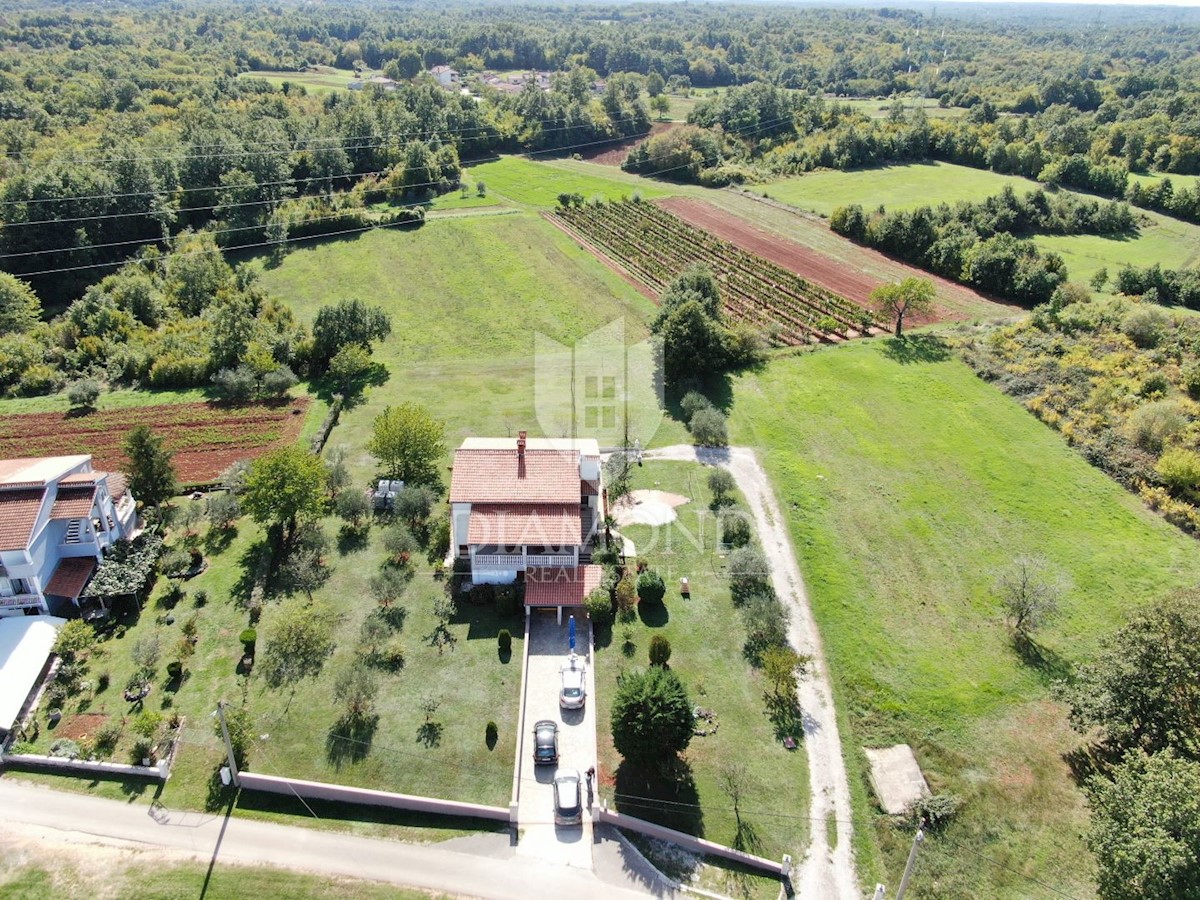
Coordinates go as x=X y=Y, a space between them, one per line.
x=539 y=836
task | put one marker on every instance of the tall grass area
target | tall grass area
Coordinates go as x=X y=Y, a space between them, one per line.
x=895 y=187
x=908 y=483
x=467 y=298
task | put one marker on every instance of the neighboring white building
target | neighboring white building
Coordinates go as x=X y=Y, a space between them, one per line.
x=528 y=509
x=446 y=77
x=25 y=645
x=57 y=515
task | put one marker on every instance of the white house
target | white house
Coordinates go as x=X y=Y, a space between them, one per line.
x=528 y=509
x=446 y=77
x=57 y=515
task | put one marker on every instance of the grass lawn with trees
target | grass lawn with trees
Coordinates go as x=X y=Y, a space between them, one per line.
x=538 y=183
x=467 y=297
x=292 y=729
x=706 y=637
x=909 y=485
x=326 y=80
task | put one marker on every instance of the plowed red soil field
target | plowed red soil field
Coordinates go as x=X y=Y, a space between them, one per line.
x=614 y=154
x=205 y=438
x=830 y=273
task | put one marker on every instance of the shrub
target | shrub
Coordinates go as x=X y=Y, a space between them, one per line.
x=248 y=636
x=937 y=811
x=709 y=429
x=1153 y=424
x=506 y=600
x=504 y=641
x=766 y=627
x=692 y=403
x=720 y=482
x=1180 y=470
x=147 y=723
x=735 y=529
x=1191 y=381
x=599 y=606
x=278 y=382
x=483 y=594
x=626 y=592
x=64 y=748
x=1146 y=325
x=84 y=394
x=660 y=650
x=1156 y=384
x=650 y=588
x=749 y=574
x=75 y=639
x=175 y=670
x=107 y=738
x=236 y=385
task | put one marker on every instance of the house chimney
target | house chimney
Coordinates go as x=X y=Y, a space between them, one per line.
x=521 y=443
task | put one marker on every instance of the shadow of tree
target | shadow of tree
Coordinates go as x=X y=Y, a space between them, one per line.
x=1050 y=665
x=349 y=741
x=785 y=715
x=441 y=637
x=654 y=615
x=916 y=348
x=351 y=539
x=392 y=616
x=217 y=540
x=430 y=734
x=746 y=838
x=667 y=797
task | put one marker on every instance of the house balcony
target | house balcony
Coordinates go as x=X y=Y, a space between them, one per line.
x=499 y=560
x=491 y=558
x=20 y=600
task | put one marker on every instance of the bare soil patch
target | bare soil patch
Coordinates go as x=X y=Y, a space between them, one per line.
x=206 y=438
x=829 y=273
x=80 y=726
x=647 y=507
x=614 y=154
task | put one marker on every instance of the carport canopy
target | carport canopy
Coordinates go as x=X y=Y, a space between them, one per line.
x=559 y=586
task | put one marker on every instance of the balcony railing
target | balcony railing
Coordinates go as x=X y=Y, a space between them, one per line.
x=20 y=600
x=499 y=560
x=550 y=559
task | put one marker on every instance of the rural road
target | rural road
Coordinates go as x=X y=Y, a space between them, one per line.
x=826 y=872
x=48 y=821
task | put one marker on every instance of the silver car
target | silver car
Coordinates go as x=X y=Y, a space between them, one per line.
x=574 y=687
x=568 y=799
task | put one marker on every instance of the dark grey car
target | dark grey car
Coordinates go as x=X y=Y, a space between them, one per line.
x=545 y=743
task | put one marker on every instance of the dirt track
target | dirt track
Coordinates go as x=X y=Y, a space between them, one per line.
x=852 y=283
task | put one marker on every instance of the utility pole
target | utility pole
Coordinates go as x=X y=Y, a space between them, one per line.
x=912 y=861
x=233 y=769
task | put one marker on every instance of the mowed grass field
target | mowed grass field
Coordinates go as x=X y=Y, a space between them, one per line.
x=326 y=80
x=908 y=484
x=1172 y=243
x=538 y=183
x=467 y=297
x=895 y=187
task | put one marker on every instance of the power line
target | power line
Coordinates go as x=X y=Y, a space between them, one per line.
x=307 y=237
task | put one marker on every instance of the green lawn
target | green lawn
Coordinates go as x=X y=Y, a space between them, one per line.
x=324 y=81
x=706 y=635
x=880 y=109
x=895 y=187
x=1152 y=178
x=22 y=879
x=467 y=297
x=1172 y=243
x=539 y=183
x=124 y=398
x=473 y=684
x=908 y=486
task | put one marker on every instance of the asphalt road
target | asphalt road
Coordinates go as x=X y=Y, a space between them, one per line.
x=485 y=867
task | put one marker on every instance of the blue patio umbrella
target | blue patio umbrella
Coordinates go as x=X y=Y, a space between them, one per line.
x=571 y=632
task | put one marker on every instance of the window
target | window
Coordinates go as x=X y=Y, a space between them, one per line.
x=11 y=587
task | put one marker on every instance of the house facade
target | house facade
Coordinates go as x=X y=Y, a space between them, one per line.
x=527 y=510
x=445 y=76
x=57 y=515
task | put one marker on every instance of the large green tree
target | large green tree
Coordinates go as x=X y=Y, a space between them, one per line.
x=408 y=441
x=1142 y=688
x=151 y=474
x=905 y=298
x=20 y=308
x=652 y=718
x=285 y=486
x=1145 y=829
x=347 y=322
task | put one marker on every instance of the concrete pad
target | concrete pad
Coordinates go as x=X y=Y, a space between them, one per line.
x=896 y=778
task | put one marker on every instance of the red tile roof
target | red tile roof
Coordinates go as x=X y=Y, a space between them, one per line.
x=504 y=476
x=18 y=514
x=73 y=502
x=510 y=525
x=589 y=488
x=81 y=478
x=117 y=485
x=71 y=576
x=552 y=586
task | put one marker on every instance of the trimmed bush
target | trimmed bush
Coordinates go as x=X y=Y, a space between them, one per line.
x=506 y=600
x=709 y=429
x=650 y=588
x=599 y=606
x=248 y=636
x=174 y=670
x=660 y=650
x=692 y=403
x=504 y=641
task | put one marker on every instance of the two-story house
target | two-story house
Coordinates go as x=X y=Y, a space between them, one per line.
x=527 y=509
x=57 y=515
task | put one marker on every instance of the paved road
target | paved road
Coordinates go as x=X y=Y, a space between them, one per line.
x=825 y=872
x=483 y=866
x=540 y=837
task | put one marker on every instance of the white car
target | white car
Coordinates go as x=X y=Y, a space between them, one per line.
x=574 y=686
x=568 y=797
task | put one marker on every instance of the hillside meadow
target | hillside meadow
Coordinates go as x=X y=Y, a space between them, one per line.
x=908 y=484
